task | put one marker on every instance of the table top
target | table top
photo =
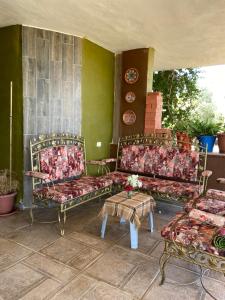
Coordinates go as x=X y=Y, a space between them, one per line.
x=132 y=209
x=137 y=196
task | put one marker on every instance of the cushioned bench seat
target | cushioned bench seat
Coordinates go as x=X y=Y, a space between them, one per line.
x=68 y=190
x=172 y=188
x=207 y=204
x=193 y=233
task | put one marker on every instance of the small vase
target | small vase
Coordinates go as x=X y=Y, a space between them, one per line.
x=129 y=194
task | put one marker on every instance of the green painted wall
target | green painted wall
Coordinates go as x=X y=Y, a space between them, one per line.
x=97 y=99
x=11 y=70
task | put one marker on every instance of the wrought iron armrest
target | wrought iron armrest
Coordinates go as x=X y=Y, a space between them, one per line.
x=221 y=180
x=96 y=162
x=37 y=174
x=207 y=173
x=109 y=160
x=102 y=164
x=204 y=179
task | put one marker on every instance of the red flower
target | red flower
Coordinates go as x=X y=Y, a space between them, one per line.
x=128 y=188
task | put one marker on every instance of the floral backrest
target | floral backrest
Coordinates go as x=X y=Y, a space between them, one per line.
x=62 y=162
x=159 y=160
x=61 y=156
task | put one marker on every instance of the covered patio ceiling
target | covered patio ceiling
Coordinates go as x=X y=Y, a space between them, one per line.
x=183 y=33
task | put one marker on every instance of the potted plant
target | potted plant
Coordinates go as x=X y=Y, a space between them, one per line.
x=8 y=191
x=183 y=133
x=206 y=131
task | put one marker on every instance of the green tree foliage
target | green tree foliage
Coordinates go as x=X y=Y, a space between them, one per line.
x=180 y=93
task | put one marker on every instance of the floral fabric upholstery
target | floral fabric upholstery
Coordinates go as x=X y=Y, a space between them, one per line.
x=62 y=162
x=170 y=187
x=191 y=232
x=216 y=194
x=65 y=191
x=207 y=204
x=160 y=160
x=208 y=218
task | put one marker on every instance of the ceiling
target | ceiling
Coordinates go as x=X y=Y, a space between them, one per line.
x=187 y=33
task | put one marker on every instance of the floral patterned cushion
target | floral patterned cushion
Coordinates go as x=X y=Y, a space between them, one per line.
x=216 y=194
x=62 y=162
x=160 y=160
x=170 y=187
x=207 y=204
x=192 y=232
x=65 y=191
x=206 y=217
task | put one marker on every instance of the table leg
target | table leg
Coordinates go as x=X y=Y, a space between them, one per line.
x=122 y=221
x=151 y=221
x=104 y=222
x=133 y=236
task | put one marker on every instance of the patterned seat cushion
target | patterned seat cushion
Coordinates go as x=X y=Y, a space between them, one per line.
x=207 y=204
x=192 y=232
x=65 y=191
x=170 y=187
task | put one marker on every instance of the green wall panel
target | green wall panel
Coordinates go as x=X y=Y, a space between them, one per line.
x=97 y=99
x=11 y=70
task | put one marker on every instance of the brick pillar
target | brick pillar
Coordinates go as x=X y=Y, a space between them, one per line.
x=153 y=112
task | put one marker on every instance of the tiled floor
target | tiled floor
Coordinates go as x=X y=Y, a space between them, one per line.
x=36 y=263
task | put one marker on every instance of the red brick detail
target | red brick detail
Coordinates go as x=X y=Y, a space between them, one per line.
x=153 y=111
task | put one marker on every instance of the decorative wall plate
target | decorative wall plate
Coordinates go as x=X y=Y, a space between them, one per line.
x=130 y=97
x=131 y=75
x=129 y=117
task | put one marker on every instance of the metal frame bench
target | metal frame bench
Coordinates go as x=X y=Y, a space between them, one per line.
x=44 y=179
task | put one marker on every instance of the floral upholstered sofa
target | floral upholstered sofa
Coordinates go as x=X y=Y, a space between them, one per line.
x=59 y=174
x=197 y=234
x=167 y=171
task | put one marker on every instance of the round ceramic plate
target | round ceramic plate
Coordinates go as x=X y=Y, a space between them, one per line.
x=130 y=97
x=129 y=117
x=131 y=75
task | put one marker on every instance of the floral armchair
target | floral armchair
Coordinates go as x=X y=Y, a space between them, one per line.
x=197 y=234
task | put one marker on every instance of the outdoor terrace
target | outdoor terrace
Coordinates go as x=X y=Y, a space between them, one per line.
x=36 y=263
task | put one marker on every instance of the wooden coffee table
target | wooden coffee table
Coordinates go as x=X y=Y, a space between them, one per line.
x=129 y=209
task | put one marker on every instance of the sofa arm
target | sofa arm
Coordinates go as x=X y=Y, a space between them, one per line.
x=102 y=164
x=204 y=179
x=221 y=180
x=96 y=162
x=109 y=160
x=207 y=173
x=36 y=174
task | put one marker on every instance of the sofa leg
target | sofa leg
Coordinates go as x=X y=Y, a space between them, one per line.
x=31 y=215
x=62 y=221
x=162 y=263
